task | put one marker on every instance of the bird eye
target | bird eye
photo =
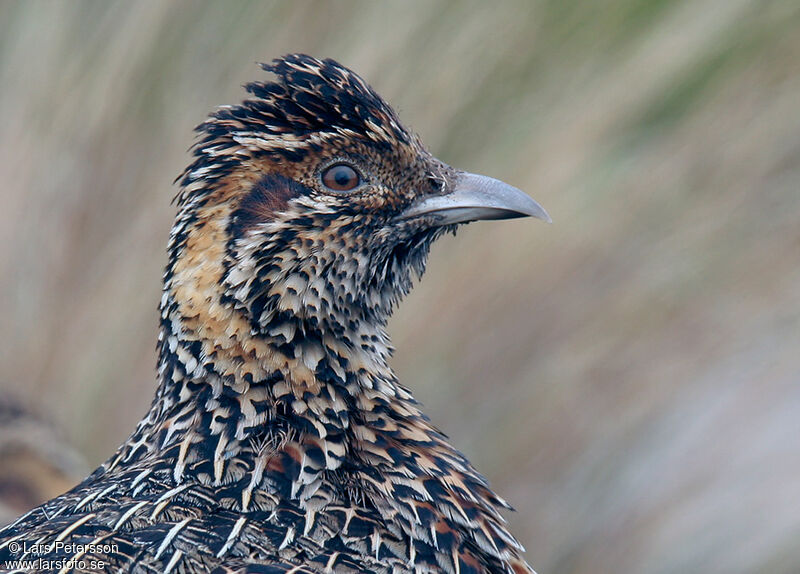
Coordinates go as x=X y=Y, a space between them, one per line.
x=341 y=177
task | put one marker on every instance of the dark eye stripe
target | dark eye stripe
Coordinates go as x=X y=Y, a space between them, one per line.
x=341 y=177
x=270 y=194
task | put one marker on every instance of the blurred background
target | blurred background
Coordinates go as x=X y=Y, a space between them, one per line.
x=628 y=377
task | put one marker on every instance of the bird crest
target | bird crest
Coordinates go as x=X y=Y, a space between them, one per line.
x=310 y=105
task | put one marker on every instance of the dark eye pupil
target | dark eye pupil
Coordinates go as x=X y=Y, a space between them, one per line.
x=340 y=177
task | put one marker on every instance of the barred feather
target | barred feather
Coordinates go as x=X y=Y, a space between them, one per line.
x=279 y=439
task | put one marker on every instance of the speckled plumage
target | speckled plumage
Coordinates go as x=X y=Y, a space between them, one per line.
x=279 y=439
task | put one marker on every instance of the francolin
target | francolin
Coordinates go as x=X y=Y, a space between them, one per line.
x=279 y=439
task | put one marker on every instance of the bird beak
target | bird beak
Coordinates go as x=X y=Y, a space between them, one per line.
x=476 y=197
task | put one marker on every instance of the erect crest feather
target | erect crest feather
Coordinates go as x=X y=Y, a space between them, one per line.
x=312 y=95
x=309 y=103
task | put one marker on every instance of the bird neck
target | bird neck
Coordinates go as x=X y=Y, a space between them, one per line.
x=310 y=412
x=220 y=384
x=223 y=383
x=322 y=422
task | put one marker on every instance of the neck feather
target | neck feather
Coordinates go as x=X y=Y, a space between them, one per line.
x=316 y=414
x=225 y=378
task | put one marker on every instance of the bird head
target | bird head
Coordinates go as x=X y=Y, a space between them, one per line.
x=310 y=202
